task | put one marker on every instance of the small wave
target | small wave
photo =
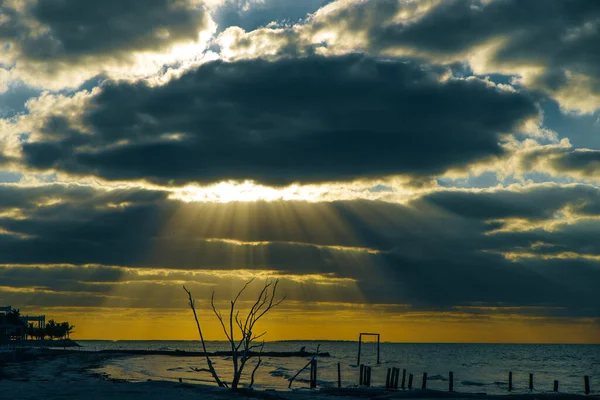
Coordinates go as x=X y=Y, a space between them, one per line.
x=471 y=383
x=437 y=378
x=280 y=372
x=500 y=383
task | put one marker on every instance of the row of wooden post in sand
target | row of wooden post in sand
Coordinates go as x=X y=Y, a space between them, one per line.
x=393 y=381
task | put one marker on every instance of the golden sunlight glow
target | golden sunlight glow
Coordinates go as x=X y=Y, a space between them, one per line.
x=226 y=192
x=398 y=190
x=317 y=323
x=517 y=255
x=565 y=216
x=318 y=246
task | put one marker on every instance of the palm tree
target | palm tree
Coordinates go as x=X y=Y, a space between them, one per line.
x=63 y=330
x=52 y=329
x=70 y=329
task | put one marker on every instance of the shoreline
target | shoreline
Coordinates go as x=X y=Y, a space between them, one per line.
x=62 y=374
x=184 y=353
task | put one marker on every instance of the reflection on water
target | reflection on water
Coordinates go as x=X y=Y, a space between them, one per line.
x=476 y=367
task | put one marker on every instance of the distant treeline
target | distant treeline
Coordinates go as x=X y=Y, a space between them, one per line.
x=52 y=329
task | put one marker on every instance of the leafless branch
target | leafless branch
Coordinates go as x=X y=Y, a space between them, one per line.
x=242 y=290
x=218 y=314
x=241 y=348
x=262 y=346
x=258 y=336
x=211 y=369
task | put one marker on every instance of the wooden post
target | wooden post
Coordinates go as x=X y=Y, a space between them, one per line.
x=313 y=373
x=366 y=376
x=359 y=346
x=451 y=381
x=339 y=376
x=586 y=381
x=410 y=378
x=530 y=381
x=396 y=376
x=378 y=341
x=403 y=378
x=387 y=378
x=556 y=386
x=424 y=385
x=510 y=381
x=369 y=377
x=361 y=375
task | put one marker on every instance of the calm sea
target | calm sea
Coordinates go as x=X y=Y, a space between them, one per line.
x=477 y=367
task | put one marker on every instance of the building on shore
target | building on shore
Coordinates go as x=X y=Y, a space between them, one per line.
x=14 y=326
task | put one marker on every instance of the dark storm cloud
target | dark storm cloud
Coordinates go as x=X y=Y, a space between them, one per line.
x=532 y=28
x=60 y=278
x=125 y=287
x=562 y=159
x=559 y=38
x=71 y=31
x=294 y=120
x=582 y=162
x=534 y=203
x=433 y=254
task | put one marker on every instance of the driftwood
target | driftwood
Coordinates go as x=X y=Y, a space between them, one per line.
x=303 y=368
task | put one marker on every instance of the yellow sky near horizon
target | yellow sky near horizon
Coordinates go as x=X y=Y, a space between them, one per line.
x=440 y=327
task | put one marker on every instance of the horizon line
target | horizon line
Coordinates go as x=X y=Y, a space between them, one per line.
x=338 y=341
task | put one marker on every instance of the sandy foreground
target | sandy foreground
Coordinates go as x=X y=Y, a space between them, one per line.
x=69 y=377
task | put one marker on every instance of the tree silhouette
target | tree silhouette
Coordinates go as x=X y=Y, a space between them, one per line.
x=14 y=318
x=65 y=330
x=211 y=368
x=239 y=330
x=52 y=329
x=60 y=330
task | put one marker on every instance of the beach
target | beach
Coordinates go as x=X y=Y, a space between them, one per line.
x=72 y=376
x=476 y=368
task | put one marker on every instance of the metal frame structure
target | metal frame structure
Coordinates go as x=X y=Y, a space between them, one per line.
x=360 y=335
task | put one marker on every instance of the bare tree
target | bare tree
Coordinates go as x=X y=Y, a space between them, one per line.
x=239 y=330
x=211 y=368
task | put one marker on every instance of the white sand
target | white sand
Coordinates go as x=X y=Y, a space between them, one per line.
x=69 y=378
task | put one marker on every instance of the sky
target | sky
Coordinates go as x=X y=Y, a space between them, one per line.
x=425 y=169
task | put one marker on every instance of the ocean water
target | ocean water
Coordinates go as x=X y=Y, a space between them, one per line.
x=478 y=368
